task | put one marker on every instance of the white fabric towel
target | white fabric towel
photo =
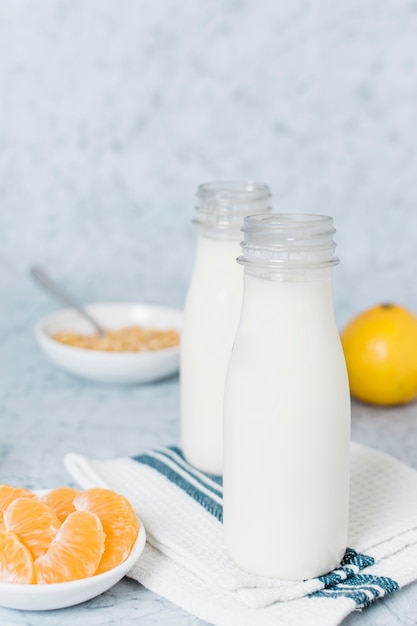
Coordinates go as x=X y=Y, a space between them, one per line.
x=185 y=560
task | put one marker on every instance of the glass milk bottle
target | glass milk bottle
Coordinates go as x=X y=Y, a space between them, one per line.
x=287 y=405
x=211 y=316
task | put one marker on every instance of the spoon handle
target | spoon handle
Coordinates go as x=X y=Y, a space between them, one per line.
x=45 y=281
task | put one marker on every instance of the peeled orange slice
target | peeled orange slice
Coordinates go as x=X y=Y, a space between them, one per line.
x=75 y=552
x=16 y=563
x=61 y=501
x=8 y=494
x=119 y=520
x=34 y=522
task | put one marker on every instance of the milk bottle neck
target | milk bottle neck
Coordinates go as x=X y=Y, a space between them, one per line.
x=288 y=247
x=221 y=207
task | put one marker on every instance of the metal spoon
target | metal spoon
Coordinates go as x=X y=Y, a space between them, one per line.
x=45 y=281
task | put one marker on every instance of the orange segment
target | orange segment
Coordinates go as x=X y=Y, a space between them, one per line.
x=8 y=494
x=34 y=522
x=61 y=501
x=16 y=563
x=119 y=523
x=75 y=552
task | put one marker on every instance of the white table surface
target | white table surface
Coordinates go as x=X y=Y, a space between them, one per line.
x=46 y=413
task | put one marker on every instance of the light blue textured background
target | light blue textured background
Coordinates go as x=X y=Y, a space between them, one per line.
x=112 y=111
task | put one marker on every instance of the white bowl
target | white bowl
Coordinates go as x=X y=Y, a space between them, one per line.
x=59 y=595
x=111 y=367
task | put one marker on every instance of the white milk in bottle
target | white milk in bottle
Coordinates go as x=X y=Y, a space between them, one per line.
x=287 y=405
x=211 y=316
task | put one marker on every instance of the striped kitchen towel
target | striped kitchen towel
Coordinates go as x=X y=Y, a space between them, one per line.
x=185 y=560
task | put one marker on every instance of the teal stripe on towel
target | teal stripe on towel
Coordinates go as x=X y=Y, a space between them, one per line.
x=363 y=589
x=213 y=507
x=212 y=482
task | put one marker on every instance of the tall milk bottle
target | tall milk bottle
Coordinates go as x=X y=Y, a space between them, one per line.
x=211 y=316
x=287 y=405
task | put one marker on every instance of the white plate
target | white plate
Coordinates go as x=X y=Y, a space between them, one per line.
x=112 y=367
x=60 y=595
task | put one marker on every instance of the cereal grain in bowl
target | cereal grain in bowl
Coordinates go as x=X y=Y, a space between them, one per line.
x=161 y=326
x=127 y=339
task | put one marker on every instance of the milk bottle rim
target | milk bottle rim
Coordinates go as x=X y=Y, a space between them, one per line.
x=222 y=205
x=288 y=241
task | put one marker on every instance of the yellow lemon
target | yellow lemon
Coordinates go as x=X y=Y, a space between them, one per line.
x=380 y=347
